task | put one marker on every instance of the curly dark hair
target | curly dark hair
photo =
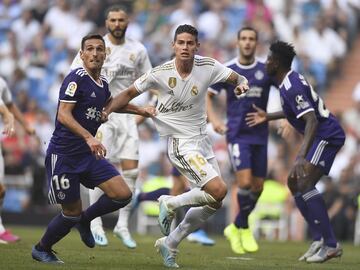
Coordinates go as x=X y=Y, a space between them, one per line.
x=283 y=52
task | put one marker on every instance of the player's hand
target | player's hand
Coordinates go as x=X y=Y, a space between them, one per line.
x=298 y=171
x=255 y=118
x=241 y=89
x=104 y=116
x=96 y=147
x=220 y=127
x=9 y=125
x=148 y=111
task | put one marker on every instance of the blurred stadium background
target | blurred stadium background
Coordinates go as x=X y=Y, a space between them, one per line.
x=39 y=39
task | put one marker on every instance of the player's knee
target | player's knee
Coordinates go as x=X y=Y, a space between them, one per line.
x=2 y=191
x=257 y=187
x=119 y=195
x=304 y=185
x=292 y=184
x=220 y=192
x=72 y=212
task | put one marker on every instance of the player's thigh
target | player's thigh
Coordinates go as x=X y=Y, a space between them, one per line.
x=115 y=188
x=101 y=173
x=191 y=159
x=63 y=183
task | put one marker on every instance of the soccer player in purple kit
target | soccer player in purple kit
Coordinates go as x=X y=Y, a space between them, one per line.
x=75 y=156
x=323 y=138
x=247 y=145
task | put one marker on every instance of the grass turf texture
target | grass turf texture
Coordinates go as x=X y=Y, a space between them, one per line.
x=272 y=255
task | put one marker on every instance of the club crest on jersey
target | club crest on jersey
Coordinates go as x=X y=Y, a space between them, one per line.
x=132 y=57
x=259 y=75
x=108 y=50
x=172 y=82
x=61 y=195
x=71 y=89
x=302 y=104
x=194 y=90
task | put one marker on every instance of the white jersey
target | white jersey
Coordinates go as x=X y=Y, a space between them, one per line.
x=5 y=93
x=123 y=64
x=181 y=107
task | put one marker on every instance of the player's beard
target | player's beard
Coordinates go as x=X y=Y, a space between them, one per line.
x=116 y=36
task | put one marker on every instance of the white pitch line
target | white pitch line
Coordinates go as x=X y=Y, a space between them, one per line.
x=240 y=258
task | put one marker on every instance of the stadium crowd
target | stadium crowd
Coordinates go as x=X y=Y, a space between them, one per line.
x=39 y=39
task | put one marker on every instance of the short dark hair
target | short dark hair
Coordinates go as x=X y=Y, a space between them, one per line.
x=247 y=28
x=115 y=8
x=284 y=52
x=91 y=36
x=186 y=28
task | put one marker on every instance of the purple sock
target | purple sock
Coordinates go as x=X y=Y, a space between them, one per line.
x=58 y=227
x=153 y=195
x=102 y=206
x=247 y=201
x=301 y=205
x=319 y=217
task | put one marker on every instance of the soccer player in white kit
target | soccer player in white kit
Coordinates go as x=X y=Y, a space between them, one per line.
x=126 y=61
x=8 y=110
x=181 y=116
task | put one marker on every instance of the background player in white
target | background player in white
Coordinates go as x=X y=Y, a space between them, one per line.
x=182 y=84
x=6 y=105
x=126 y=60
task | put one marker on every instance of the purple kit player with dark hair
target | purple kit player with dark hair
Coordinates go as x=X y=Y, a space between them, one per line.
x=247 y=145
x=75 y=156
x=323 y=138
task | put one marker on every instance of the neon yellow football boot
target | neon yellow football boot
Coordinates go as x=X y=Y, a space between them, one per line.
x=232 y=234
x=248 y=241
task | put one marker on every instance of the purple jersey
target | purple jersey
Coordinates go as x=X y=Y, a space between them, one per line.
x=237 y=108
x=298 y=98
x=90 y=98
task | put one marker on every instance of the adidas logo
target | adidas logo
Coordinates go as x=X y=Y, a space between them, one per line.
x=322 y=163
x=171 y=92
x=93 y=94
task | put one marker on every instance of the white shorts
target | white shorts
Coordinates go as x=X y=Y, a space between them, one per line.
x=120 y=137
x=194 y=158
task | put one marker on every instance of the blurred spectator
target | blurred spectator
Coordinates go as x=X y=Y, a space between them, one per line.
x=25 y=29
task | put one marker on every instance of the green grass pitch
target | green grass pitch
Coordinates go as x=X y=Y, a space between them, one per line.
x=272 y=255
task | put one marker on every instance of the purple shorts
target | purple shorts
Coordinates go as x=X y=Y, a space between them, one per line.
x=65 y=173
x=322 y=154
x=249 y=156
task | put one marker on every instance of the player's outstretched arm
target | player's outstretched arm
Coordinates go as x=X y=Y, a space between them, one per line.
x=119 y=102
x=20 y=118
x=260 y=116
x=8 y=119
x=240 y=82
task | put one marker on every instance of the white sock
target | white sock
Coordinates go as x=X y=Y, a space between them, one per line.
x=130 y=177
x=194 y=197
x=94 y=195
x=193 y=219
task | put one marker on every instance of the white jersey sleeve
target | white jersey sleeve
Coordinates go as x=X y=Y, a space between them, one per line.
x=220 y=73
x=145 y=82
x=5 y=93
